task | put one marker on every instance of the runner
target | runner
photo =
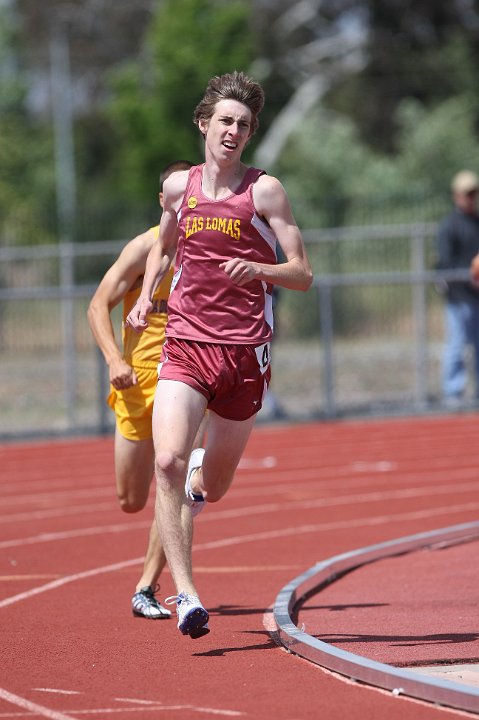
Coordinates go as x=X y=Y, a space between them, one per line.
x=225 y=219
x=133 y=372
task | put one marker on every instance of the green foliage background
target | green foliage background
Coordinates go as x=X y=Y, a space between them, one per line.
x=187 y=42
x=379 y=148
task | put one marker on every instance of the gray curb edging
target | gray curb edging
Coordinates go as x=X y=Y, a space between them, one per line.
x=398 y=680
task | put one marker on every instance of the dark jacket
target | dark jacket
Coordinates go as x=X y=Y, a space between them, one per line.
x=457 y=244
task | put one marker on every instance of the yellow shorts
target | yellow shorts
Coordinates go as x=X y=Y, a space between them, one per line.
x=133 y=407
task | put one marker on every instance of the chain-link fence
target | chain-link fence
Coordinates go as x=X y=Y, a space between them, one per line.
x=367 y=337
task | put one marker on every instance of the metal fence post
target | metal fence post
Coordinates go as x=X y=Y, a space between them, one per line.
x=66 y=251
x=420 y=317
x=326 y=335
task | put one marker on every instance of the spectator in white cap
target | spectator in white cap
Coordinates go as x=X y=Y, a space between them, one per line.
x=458 y=248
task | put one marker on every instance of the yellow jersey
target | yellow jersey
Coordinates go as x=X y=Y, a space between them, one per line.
x=144 y=349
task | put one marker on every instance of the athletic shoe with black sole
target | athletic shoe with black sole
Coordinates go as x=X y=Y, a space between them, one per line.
x=192 y=616
x=195 y=501
x=144 y=604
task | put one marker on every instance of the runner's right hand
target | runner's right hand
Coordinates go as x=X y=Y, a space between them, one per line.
x=137 y=316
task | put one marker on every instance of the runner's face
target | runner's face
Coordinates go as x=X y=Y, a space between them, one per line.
x=228 y=129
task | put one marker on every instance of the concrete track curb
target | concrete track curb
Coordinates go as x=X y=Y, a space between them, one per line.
x=356 y=667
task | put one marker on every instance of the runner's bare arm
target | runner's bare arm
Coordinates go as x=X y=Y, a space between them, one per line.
x=162 y=252
x=123 y=275
x=295 y=273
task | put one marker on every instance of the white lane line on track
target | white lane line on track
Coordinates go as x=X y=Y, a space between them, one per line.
x=68 y=579
x=31 y=485
x=325 y=476
x=60 y=487
x=33 y=707
x=257 y=463
x=66 y=494
x=157 y=707
x=344 y=473
x=27 y=516
x=153 y=707
x=380 y=466
x=136 y=701
x=213 y=711
x=375 y=496
x=367 y=497
x=338 y=525
x=253 y=537
x=30 y=576
x=58 y=691
x=70 y=534
x=58 y=512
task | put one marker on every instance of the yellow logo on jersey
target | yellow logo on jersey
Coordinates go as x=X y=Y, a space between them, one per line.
x=192 y=202
x=228 y=226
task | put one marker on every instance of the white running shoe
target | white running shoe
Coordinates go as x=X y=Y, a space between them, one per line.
x=192 y=616
x=195 y=501
x=145 y=604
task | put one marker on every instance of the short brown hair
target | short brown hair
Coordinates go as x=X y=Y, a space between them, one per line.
x=231 y=86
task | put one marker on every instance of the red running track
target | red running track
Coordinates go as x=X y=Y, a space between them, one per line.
x=70 y=560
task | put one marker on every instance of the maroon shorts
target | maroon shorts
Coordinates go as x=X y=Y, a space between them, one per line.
x=232 y=378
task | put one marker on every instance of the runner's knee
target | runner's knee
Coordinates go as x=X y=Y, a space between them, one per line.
x=168 y=466
x=131 y=502
x=213 y=497
x=132 y=491
x=215 y=488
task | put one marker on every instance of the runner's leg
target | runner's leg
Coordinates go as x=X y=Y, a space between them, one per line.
x=226 y=442
x=134 y=462
x=177 y=414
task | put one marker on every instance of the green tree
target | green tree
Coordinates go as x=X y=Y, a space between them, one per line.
x=25 y=170
x=422 y=50
x=187 y=42
x=435 y=143
x=335 y=179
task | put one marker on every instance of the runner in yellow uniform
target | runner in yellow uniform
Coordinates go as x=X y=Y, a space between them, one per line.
x=133 y=373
